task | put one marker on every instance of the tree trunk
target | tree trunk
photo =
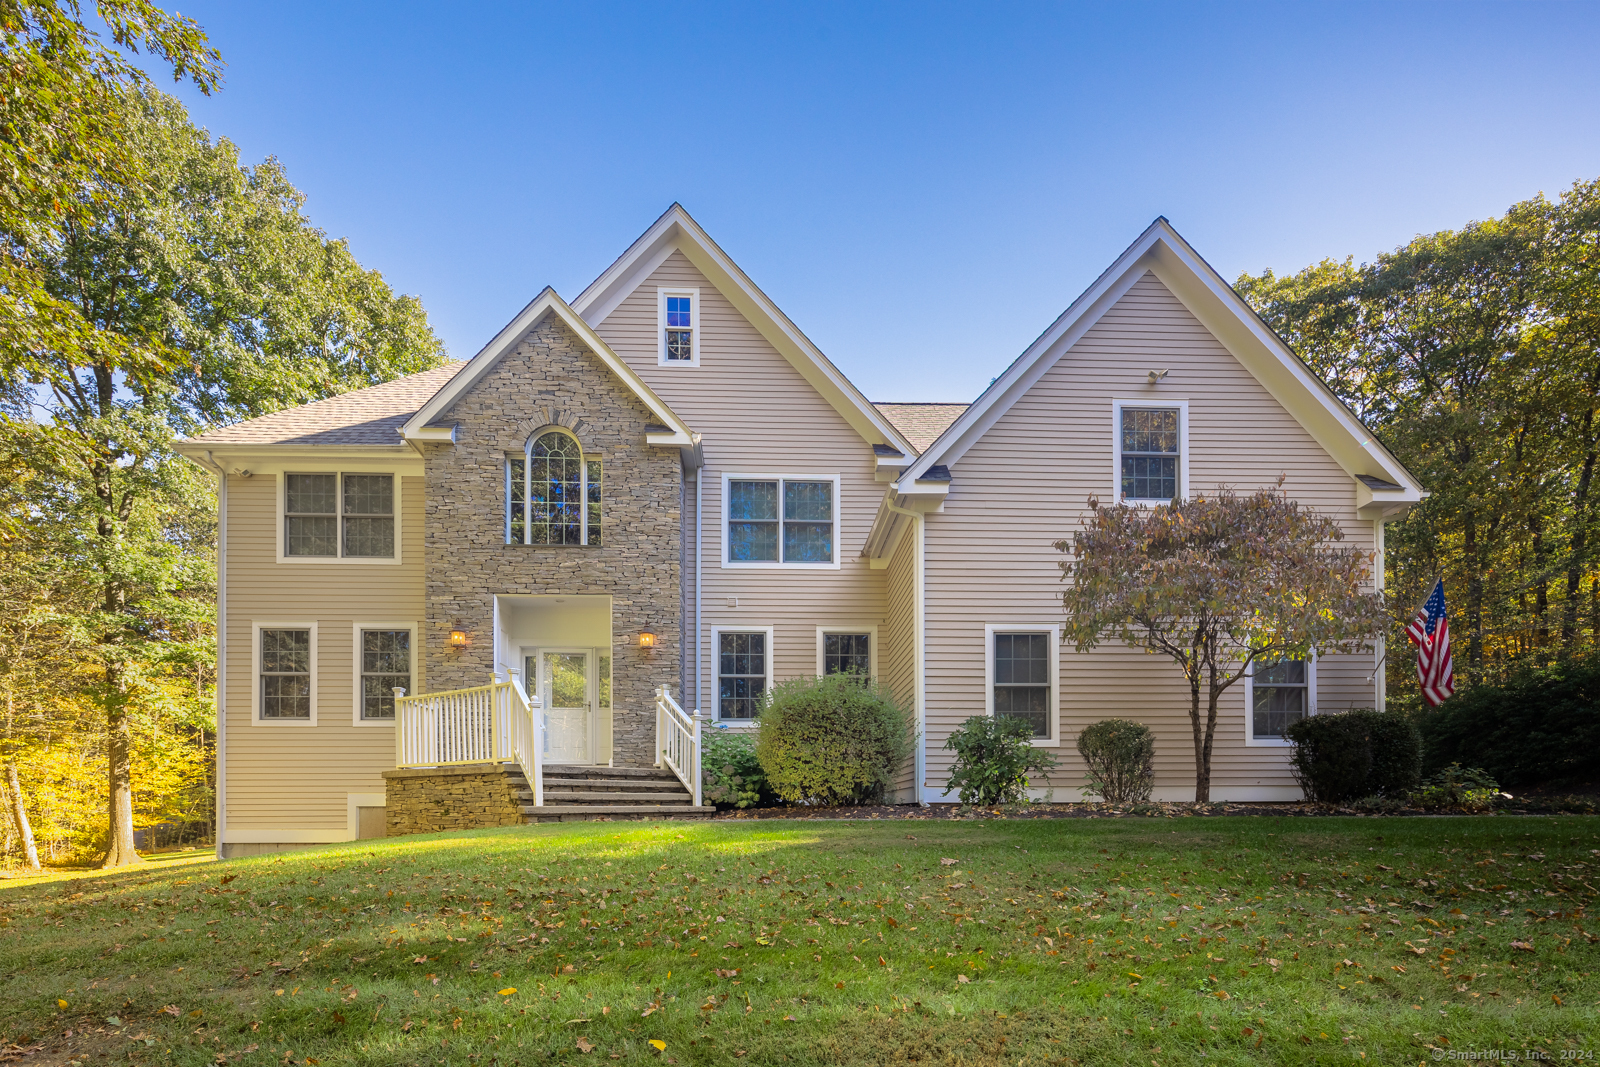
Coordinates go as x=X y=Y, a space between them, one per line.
x=119 y=847
x=1541 y=589
x=1474 y=612
x=1202 y=741
x=1580 y=538
x=19 y=815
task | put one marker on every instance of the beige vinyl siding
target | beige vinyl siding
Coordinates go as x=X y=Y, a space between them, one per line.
x=897 y=657
x=1025 y=485
x=757 y=415
x=297 y=777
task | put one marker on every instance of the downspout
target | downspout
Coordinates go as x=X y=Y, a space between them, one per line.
x=918 y=637
x=222 y=650
x=699 y=564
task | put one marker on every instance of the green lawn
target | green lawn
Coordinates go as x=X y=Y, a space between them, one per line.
x=1138 y=941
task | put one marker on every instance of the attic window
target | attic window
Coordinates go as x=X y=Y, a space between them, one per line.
x=1150 y=451
x=679 y=327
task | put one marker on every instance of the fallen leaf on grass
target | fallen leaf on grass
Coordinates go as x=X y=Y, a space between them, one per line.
x=61 y=1004
x=790 y=1019
x=659 y=1046
x=963 y=979
x=172 y=1010
x=721 y=973
x=508 y=990
x=945 y=861
x=1522 y=946
x=584 y=1046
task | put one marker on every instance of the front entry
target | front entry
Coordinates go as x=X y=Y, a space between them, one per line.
x=566 y=679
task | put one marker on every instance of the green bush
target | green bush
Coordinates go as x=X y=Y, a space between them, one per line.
x=1359 y=753
x=1120 y=755
x=993 y=759
x=730 y=774
x=1457 y=788
x=834 y=740
x=1539 y=726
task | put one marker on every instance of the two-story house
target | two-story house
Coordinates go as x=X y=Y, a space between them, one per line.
x=665 y=483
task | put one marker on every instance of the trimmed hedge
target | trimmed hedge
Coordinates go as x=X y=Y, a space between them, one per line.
x=1538 y=726
x=1120 y=755
x=1359 y=753
x=839 y=739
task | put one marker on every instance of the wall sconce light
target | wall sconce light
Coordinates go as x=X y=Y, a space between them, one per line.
x=647 y=639
x=458 y=637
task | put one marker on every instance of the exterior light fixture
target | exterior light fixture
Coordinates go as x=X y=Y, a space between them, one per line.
x=458 y=637
x=647 y=638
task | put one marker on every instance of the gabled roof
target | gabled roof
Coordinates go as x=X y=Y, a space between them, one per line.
x=1161 y=251
x=921 y=423
x=371 y=416
x=672 y=430
x=676 y=231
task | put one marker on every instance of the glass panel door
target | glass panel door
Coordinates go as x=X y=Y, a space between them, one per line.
x=566 y=685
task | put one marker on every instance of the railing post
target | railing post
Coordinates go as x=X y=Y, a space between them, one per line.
x=399 y=728
x=698 y=784
x=661 y=713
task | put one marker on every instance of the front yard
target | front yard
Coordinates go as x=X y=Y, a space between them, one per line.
x=1140 y=941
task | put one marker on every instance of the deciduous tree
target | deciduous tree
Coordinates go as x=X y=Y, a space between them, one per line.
x=1217 y=583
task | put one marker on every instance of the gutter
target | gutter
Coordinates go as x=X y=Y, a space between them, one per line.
x=919 y=640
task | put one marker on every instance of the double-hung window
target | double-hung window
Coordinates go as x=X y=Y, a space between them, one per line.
x=781 y=520
x=339 y=515
x=385 y=666
x=1150 y=453
x=743 y=671
x=553 y=494
x=1022 y=679
x=285 y=678
x=678 y=331
x=1280 y=693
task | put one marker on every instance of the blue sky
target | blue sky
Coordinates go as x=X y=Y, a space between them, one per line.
x=922 y=188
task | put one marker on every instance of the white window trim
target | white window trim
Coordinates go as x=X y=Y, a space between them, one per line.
x=696 y=319
x=872 y=644
x=282 y=491
x=1054 y=630
x=584 y=459
x=355 y=669
x=256 y=626
x=1250 y=738
x=716 y=673
x=722 y=526
x=1182 y=408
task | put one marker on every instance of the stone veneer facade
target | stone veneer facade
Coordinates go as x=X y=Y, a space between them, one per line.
x=466 y=797
x=552 y=379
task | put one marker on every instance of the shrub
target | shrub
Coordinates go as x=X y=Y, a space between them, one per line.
x=993 y=759
x=1539 y=726
x=839 y=739
x=1120 y=755
x=730 y=774
x=1457 y=787
x=1359 y=753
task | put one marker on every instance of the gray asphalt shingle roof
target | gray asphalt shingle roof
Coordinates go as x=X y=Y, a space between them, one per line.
x=922 y=423
x=371 y=416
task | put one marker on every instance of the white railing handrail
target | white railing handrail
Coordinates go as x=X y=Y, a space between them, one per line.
x=678 y=740
x=494 y=723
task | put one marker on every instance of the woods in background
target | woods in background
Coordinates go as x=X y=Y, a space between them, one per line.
x=151 y=286
x=1475 y=355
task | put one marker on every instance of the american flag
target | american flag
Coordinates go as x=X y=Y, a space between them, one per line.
x=1430 y=632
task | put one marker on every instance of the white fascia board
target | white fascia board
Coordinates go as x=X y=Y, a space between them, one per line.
x=1161 y=250
x=676 y=230
x=547 y=302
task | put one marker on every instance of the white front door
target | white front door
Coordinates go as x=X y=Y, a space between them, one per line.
x=566 y=687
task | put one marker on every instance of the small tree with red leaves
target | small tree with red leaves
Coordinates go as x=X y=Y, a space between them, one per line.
x=1217 y=583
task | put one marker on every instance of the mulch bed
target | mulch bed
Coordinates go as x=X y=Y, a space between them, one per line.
x=908 y=812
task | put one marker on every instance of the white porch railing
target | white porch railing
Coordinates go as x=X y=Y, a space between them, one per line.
x=495 y=723
x=678 y=741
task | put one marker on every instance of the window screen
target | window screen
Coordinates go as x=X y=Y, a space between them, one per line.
x=285 y=674
x=741 y=674
x=1280 y=694
x=1149 y=453
x=847 y=654
x=385 y=665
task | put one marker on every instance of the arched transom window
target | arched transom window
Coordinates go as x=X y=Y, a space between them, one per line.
x=553 y=494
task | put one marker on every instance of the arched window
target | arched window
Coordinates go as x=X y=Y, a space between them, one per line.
x=553 y=494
